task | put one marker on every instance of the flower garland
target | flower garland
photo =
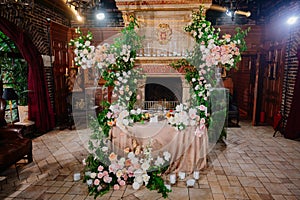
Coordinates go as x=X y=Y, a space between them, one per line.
x=210 y=52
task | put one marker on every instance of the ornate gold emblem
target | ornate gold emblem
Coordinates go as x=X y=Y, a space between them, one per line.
x=164 y=33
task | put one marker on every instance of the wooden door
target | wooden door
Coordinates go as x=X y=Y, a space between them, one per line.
x=59 y=42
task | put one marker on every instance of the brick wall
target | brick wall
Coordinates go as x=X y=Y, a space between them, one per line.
x=35 y=24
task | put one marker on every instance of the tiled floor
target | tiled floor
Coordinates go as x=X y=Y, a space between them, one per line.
x=251 y=165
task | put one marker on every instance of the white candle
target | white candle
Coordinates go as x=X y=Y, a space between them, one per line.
x=172 y=178
x=181 y=175
x=76 y=176
x=196 y=175
x=66 y=71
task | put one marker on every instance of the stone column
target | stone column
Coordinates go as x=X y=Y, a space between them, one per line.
x=141 y=92
x=185 y=90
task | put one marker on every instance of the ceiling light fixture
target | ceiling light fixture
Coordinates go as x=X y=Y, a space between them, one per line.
x=231 y=7
x=292 y=20
x=100 y=16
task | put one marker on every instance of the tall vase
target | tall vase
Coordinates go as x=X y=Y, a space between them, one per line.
x=218 y=71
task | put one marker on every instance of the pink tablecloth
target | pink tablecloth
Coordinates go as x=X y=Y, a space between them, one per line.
x=188 y=151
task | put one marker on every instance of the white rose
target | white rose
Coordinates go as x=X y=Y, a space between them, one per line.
x=146 y=178
x=130 y=155
x=145 y=166
x=89 y=182
x=167 y=155
x=125 y=122
x=93 y=175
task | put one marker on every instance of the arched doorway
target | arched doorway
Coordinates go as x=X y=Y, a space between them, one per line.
x=38 y=100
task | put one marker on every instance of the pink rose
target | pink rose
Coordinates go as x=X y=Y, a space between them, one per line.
x=99 y=187
x=116 y=187
x=100 y=175
x=105 y=173
x=96 y=182
x=107 y=179
x=108 y=115
x=100 y=168
x=125 y=177
x=122 y=182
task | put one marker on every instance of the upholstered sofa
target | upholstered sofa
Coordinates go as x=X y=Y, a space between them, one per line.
x=13 y=147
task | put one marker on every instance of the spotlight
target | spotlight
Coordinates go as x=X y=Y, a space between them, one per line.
x=79 y=18
x=292 y=20
x=229 y=13
x=100 y=16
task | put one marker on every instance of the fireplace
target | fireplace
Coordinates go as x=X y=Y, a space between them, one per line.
x=163 y=92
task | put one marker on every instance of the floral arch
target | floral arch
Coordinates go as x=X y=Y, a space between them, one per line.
x=115 y=63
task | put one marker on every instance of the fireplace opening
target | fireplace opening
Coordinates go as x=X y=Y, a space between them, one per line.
x=163 y=92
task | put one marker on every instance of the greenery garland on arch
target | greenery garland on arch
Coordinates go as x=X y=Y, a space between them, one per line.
x=115 y=64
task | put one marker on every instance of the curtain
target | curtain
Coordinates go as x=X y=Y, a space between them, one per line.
x=38 y=99
x=292 y=130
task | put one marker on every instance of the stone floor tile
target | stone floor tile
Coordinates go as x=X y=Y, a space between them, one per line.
x=63 y=190
x=117 y=193
x=266 y=196
x=145 y=194
x=130 y=197
x=254 y=196
x=291 y=197
x=33 y=192
x=56 y=196
x=218 y=197
x=80 y=197
x=234 y=192
x=179 y=193
x=196 y=194
x=68 y=197
x=250 y=182
x=52 y=189
x=45 y=196
x=277 y=189
x=250 y=190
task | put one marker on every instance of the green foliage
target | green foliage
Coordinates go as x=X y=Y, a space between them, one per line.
x=156 y=182
x=14 y=70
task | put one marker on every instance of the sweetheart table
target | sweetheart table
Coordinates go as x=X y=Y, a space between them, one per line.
x=188 y=150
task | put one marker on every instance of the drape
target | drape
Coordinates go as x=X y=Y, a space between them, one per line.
x=38 y=99
x=292 y=130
